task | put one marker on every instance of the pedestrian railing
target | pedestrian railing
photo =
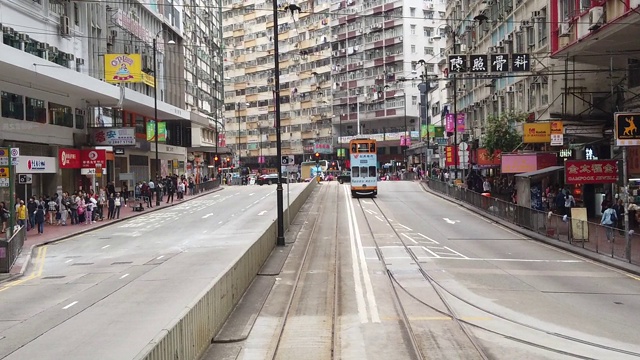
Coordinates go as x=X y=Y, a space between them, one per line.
x=585 y=234
x=10 y=249
x=206 y=186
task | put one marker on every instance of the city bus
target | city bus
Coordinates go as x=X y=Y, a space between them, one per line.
x=364 y=167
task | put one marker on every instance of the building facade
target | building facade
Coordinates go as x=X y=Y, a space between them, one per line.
x=55 y=97
x=346 y=68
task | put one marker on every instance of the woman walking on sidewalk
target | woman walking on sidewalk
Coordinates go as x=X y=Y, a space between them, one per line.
x=111 y=207
x=40 y=219
x=117 y=202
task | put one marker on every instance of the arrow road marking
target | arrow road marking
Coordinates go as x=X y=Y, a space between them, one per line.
x=262 y=212
x=206 y=216
x=450 y=221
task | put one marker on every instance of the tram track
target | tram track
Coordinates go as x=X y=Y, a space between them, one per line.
x=442 y=292
x=292 y=338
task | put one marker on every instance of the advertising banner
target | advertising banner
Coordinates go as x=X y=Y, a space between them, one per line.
x=113 y=137
x=69 y=159
x=460 y=122
x=591 y=171
x=36 y=165
x=450 y=155
x=122 y=68
x=91 y=158
x=151 y=131
x=536 y=133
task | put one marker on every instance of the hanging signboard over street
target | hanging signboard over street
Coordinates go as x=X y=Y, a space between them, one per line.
x=626 y=129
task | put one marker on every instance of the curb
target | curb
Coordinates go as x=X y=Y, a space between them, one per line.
x=64 y=237
x=590 y=255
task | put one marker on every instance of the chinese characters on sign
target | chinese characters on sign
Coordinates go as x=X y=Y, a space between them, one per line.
x=450 y=154
x=591 y=171
x=497 y=63
x=323 y=148
x=90 y=158
x=459 y=122
x=458 y=63
x=479 y=63
x=113 y=137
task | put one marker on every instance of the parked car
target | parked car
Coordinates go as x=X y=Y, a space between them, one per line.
x=344 y=177
x=270 y=179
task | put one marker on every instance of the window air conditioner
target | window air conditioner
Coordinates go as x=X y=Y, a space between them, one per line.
x=596 y=17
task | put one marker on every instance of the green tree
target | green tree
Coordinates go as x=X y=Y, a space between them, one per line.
x=501 y=132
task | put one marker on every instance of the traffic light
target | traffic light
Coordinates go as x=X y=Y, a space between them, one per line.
x=317 y=155
x=228 y=159
x=215 y=158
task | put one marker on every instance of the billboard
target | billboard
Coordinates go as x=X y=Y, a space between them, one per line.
x=151 y=131
x=122 y=68
x=591 y=171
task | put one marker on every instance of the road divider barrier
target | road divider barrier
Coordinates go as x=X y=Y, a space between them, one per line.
x=190 y=334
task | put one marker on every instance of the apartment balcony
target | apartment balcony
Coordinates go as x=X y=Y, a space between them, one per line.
x=594 y=34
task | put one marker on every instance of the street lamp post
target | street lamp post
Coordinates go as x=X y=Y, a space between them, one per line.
x=276 y=93
x=155 y=109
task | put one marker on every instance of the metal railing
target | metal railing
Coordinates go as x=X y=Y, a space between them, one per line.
x=206 y=186
x=585 y=234
x=10 y=249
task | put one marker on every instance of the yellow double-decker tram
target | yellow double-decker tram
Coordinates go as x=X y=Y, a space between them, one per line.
x=363 y=161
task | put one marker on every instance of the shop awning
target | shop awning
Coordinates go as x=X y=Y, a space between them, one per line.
x=544 y=171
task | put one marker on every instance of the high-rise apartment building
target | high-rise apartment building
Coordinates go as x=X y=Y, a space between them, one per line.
x=346 y=67
x=381 y=52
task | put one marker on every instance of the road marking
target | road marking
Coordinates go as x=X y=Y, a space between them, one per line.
x=262 y=212
x=206 y=216
x=406 y=227
x=40 y=256
x=455 y=252
x=440 y=318
x=379 y=218
x=220 y=222
x=510 y=260
x=68 y=261
x=428 y=238
x=204 y=231
x=236 y=194
x=216 y=195
x=371 y=212
x=70 y=305
x=106 y=246
x=255 y=202
x=367 y=202
x=160 y=257
x=124 y=276
x=251 y=194
x=450 y=221
x=373 y=307
x=355 y=265
x=409 y=237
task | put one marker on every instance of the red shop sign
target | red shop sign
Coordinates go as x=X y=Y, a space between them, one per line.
x=591 y=171
x=69 y=158
x=90 y=158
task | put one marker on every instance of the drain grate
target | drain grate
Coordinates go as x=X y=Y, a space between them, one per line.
x=53 y=277
x=80 y=264
x=122 y=263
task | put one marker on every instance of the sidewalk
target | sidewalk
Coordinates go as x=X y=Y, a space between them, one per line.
x=54 y=233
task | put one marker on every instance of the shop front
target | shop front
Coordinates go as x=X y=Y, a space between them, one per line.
x=41 y=179
x=533 y=171
x=172 y=159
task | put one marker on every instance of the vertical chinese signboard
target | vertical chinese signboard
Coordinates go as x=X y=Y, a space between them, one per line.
x=591 y=171
x=450 y=154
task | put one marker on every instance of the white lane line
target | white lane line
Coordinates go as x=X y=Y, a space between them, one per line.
x=255 y=202
x=68 y=261
x=204 y=231
x=519 y=260
x=236 y=194
x=406 y=227
x=449 y=220
x=373 y=307
x=124 y=276
x=379 y=218
x=160 y=257
x=106 y=246
x=216 y=195
x=206 y=216
x=430 y=252
x=428 y=238
x=455 y=252
x=371 y=212
x=251 y=194
x=70 y=305
x=262 y=212
x=409 y=237
x=220 y=222
x=355 y=265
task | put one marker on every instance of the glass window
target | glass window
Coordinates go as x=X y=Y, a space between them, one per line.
x=373 y=171
x=12 y=106
x=140 y=128
x=60 y=115
x=412 y=12
x=80 y=120
x=363 y=171
x=36 y=110
x=413 y=29
x=355 y=171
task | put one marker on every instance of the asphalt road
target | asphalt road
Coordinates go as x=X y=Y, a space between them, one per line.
x=523 y=299
x=107 y=293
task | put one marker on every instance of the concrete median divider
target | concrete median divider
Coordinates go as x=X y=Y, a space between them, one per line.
x=190 y=334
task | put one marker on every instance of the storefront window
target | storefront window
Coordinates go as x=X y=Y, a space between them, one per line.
x=140 y=128
x=60 y=115
x=117 y=117
x=36 y=110
x=80 y=121
x=12 y=106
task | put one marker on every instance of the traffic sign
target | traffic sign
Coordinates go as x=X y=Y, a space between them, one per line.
x=288 y=160
x=15 y=152
x=25 y=179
